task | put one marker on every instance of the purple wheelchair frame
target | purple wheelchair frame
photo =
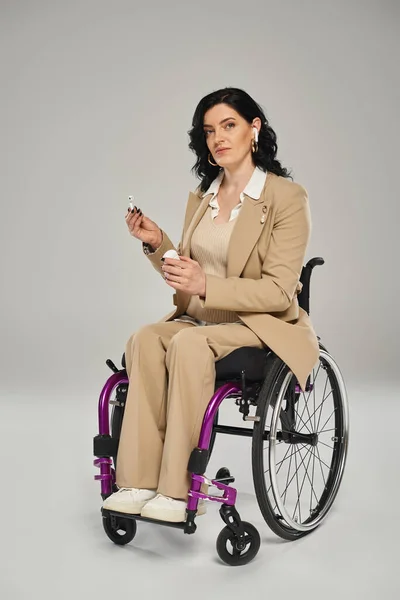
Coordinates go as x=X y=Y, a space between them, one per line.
x=107 y=472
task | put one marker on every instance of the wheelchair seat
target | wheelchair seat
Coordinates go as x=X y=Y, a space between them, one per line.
x=253 y=361
x=247 y=358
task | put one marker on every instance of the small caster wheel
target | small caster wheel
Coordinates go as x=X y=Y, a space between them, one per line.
x=224 y=475
x=121 y=531
x=234 y=553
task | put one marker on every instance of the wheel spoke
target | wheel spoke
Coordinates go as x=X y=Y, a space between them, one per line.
x=312 y=483
x=334 y=410
x=320 y=412
x=302 y=485
x=321 y=461
x=303 y=393
x=307 y=450
x=314 y=399
x=327 y=445
x=288 y=475
x=308 y=477
x=319 y=407
x=281 y=463
x=305 y=406
x=284 y=458
x=323 y=395
x=292 y=454
x=308 y=412
x=297 y=484
x=304 y=424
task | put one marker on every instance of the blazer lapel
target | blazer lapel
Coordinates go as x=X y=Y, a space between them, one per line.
x=198 y=212
x=246 y=231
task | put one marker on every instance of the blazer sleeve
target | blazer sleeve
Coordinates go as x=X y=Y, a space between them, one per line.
x=155 y=256
x=281 y=269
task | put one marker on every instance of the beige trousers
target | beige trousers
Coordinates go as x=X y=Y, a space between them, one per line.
x=171 y=371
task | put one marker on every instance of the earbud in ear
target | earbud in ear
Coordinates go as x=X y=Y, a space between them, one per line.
x=255 y=130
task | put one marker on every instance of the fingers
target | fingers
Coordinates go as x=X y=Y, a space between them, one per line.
x=172 y=267
x=134 y=224
x=133 y=214
x=173 y=274
x=133 y=219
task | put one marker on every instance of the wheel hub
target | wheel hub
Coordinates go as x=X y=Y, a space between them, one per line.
x=295 y=437
x=303 y=438
x=240 y=546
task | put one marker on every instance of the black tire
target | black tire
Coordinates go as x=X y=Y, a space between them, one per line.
x=113 y=526
x=238 y=556
x=269 y=396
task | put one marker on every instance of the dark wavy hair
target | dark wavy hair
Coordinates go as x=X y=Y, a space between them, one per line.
x=242 y=103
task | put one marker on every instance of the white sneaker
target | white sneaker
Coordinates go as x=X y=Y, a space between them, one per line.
x=128 y=500
x=164 y=508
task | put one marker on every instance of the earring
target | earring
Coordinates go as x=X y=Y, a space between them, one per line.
x=211 y=163
x=254 y=141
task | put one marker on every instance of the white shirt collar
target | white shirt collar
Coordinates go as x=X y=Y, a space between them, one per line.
x=252 y=189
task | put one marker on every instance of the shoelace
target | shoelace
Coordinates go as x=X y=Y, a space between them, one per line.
x=132 y=489
x=167 y=498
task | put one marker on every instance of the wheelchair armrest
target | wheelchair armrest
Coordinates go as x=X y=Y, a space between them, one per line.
x=304 y=296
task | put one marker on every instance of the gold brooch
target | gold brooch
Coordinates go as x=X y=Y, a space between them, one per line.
x=264 y=208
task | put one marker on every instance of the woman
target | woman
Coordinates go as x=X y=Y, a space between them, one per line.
x=236 y=282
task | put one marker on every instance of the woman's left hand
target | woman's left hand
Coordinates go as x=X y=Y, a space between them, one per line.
x=186 y=275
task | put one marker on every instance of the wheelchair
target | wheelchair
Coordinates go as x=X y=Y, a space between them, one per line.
x=299 y=445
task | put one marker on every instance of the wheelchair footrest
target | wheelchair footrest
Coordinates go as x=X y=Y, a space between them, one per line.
x=229 y=495
x=182 y=525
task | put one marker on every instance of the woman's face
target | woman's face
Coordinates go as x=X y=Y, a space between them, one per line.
x=225 y=128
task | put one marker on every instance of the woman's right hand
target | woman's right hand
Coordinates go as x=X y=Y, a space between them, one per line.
x=143 y=228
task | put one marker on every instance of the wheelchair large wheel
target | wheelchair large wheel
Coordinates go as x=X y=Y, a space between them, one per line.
x=299 y=446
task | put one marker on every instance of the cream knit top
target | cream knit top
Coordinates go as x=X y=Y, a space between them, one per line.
x=209 y=247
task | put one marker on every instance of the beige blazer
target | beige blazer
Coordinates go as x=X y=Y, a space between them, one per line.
x=265 y=256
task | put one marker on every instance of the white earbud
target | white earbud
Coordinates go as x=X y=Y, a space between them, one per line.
x=255 y=134
x=171 y=254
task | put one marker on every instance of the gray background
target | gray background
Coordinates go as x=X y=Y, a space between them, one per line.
x=97 y=98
